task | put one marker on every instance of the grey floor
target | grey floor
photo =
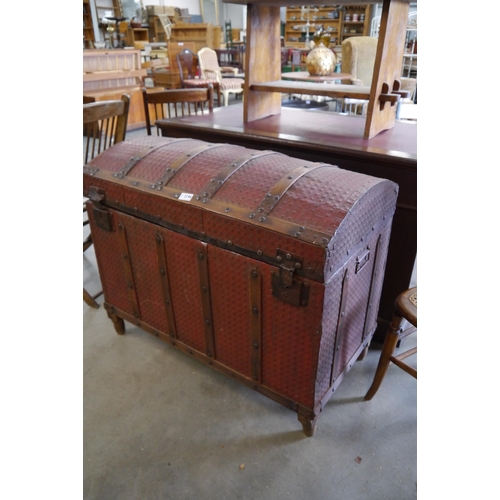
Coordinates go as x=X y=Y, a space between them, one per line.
x=157 y=424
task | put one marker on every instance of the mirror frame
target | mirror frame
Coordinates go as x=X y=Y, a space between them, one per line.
x=216 y=4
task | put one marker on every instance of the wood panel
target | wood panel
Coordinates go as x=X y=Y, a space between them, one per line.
x=263 y=61
x=391 y=44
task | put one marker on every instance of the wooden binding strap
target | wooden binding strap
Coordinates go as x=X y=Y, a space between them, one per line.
x=134 y=160
x=180 y=162
x=127 y=269
x=256 y=322
x=283 y=185
x=165 y=285
x=216 y=182
x=205 y=300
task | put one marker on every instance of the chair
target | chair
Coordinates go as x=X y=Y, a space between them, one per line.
x=104 y=124
x=187 y=61
x=161 y=104
x=210 y=69
x=233 y=58
x=358 y=59
x=405 y=308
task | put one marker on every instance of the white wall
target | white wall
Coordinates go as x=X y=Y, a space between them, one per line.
x=192 y=5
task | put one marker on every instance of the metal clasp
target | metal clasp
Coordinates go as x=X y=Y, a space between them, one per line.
x=102 y=216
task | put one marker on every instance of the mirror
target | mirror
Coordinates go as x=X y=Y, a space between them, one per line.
x=210 y=11
x=132 y=8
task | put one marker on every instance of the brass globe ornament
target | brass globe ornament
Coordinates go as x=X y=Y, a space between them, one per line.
x=321 y=60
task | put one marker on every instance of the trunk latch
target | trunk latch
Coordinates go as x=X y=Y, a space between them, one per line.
x=285 y=287
x=102 y=216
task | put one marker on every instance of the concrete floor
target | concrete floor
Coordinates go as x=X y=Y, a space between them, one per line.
x=157 y=424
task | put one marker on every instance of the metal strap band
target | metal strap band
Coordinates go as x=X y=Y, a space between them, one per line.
x=134 y=160
x=283 y=185
x=216 y=183
x=179 y=163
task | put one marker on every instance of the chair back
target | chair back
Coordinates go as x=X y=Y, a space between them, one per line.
x=233 y=58
x=164 y=104
x=188 y=65
x=358 y=58
x=209 y=64
x=104 y=124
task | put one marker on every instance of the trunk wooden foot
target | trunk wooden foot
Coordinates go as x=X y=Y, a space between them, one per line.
x=118 y=323
x=364 y=353
x=308 y=425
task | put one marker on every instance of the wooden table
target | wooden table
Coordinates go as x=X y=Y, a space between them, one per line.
x=304 y=76
x=335 y=139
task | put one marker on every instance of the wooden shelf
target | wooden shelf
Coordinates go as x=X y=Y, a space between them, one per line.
x=262 y=86
x=333 y=90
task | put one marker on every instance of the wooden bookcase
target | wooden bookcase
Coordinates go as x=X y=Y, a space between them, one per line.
x=336 y=19
x=88 y=29
x=137 y=37
x=350 y=27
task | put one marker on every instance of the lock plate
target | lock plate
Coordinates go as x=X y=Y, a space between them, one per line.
x=297 y=293
x=102 y=216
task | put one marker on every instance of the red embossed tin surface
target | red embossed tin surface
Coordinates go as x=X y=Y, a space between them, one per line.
x=268 y=268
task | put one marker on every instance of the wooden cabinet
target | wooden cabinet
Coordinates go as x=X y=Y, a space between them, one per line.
x=340 y=21
x=202 y=34
x=137 y=37
x=88 y=29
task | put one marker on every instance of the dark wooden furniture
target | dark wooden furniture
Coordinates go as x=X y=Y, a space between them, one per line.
x=405 y=308
x=104 y=124
x=159 y=104
x=338 y=140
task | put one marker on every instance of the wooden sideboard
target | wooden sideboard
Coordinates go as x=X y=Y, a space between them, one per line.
x=109 y=73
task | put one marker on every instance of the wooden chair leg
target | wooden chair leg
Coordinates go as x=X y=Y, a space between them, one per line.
x=391 y=339
x=89 y=300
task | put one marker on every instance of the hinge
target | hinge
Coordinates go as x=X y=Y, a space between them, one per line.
x=102 y=216
x=285 y=287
